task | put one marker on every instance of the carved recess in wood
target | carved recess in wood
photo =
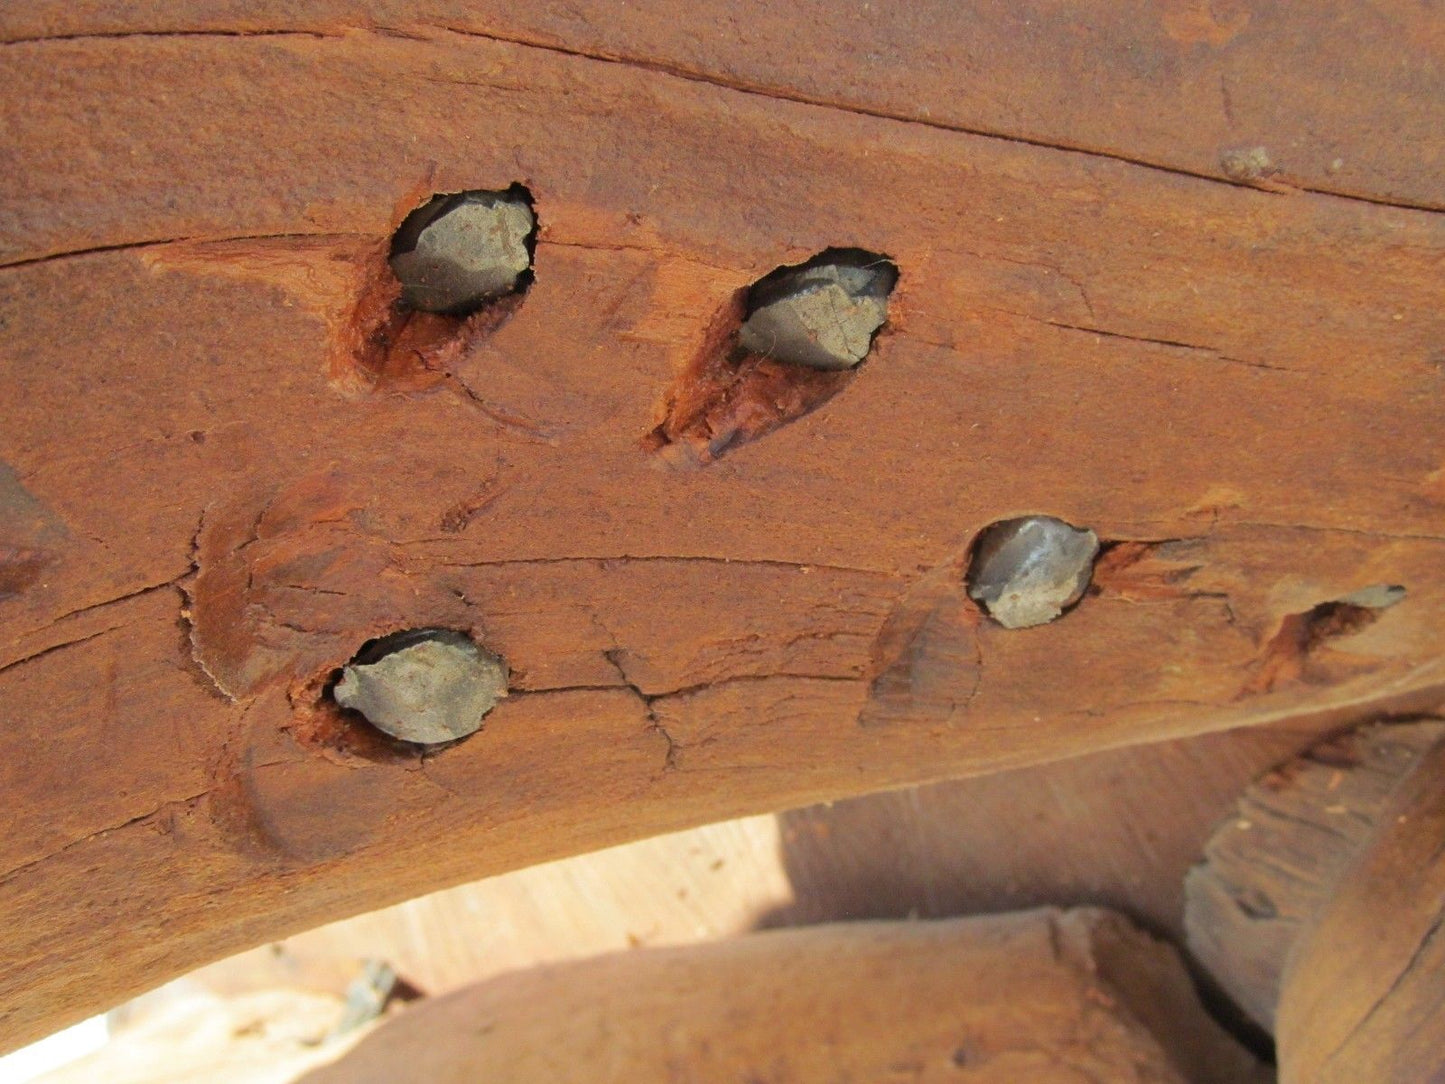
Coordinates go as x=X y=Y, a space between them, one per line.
x=290 y=580
x=29 y=534
x=927 y=664
x=376 y=342
x=734 y=389
x=1301 y=650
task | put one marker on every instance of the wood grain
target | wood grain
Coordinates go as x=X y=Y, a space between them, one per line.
x=1272 y=868
x=207 y=505
x=1044 y=996
x=1361 y=997
x=1117 y=829
x=1136 y=819
x=1182 y=85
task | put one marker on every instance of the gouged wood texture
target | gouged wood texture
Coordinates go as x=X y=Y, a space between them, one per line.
x=1040 y=996
x=1275 y=864
x=205 y=510
x=1179 y=85
x=1362 y=997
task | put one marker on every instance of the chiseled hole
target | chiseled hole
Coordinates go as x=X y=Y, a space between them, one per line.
x=459 y=251
x=1028 y=571
x=455 y=270
x=429 y=686
x=822 y=314
x=777 y=351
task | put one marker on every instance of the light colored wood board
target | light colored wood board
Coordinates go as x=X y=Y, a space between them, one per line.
x=703 y=884
x=1344 y=96
x=1046 y=996
x=269 y=1037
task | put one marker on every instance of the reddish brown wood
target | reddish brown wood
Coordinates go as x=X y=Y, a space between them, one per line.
x=212 y=496
x=1184 y=85
x=1320 y=901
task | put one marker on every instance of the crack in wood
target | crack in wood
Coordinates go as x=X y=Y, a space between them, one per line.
x=738 y=86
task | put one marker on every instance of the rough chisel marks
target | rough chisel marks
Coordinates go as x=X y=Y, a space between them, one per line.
x=778 y=350
x=927 y=662
x=455 y=269
x=1299 y=651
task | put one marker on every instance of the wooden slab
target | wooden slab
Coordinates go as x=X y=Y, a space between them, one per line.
x=1117 y=829
x=1136 y=819
x=1361 y=997
x=1270 y=870
x=1185 y=85
x=209 y=502
x=1043 y=996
